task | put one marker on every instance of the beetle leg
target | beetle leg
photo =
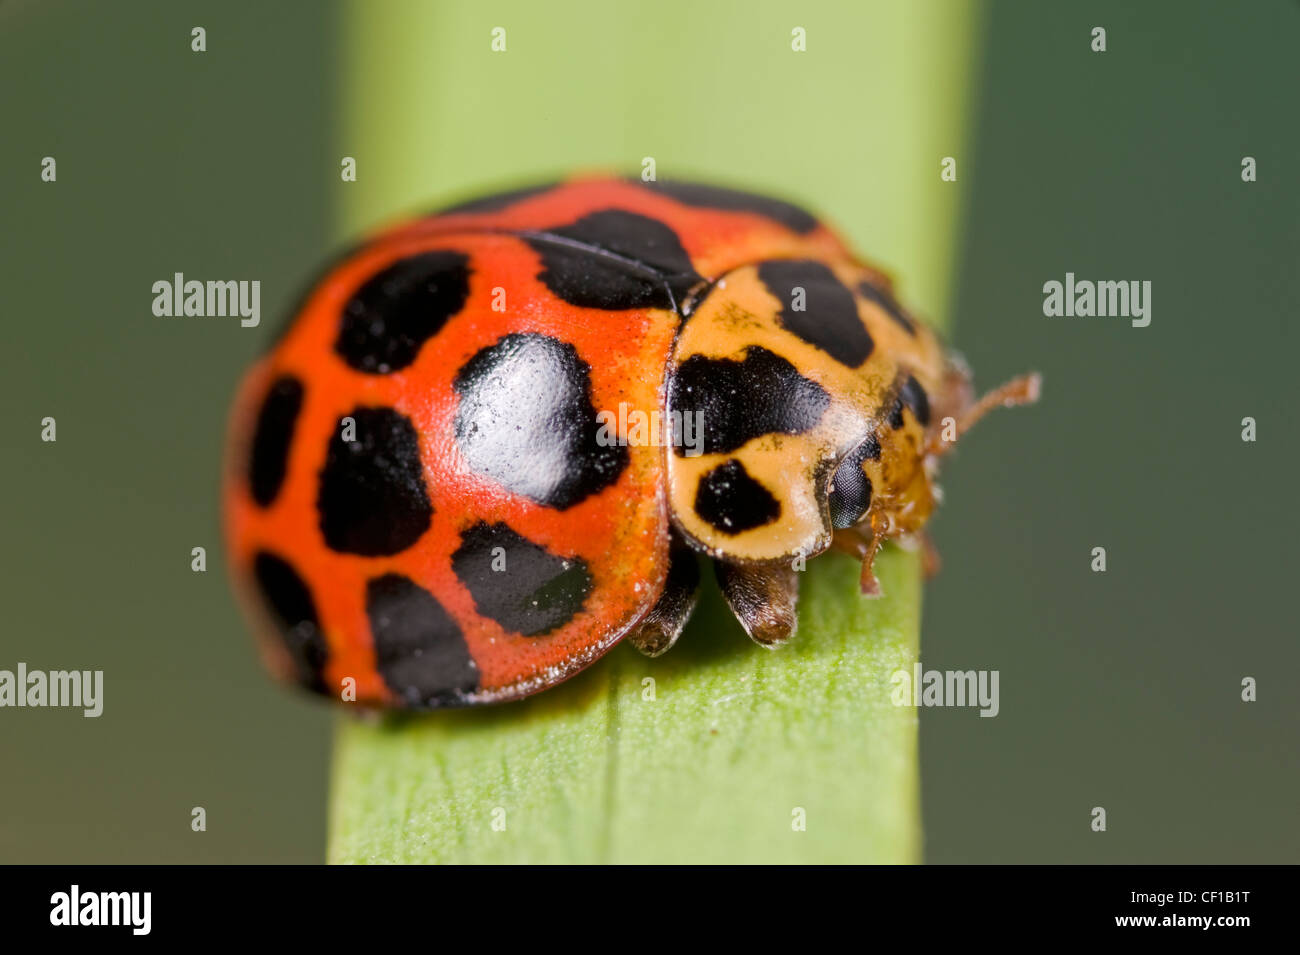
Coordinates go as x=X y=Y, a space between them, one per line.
x=931 y=562
x=860 y=543
x=763 y=598
x=660 y=628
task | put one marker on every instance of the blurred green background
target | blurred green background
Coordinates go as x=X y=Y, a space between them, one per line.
x=1119 y=690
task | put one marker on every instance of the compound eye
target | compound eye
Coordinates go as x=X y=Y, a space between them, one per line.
x=850 y=496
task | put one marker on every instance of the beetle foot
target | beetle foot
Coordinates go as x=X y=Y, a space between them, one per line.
x=660 y=628
x=763 y=598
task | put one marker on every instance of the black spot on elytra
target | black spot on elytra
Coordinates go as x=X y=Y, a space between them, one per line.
x=290 y=602
x=372 y=499
x=736 y=401
x=732 y=501
x=530 y=591
x=613 y=259
x=913 y=396
x=887 y=302
x=526 y=420
x=498 y=201
x=394 y=313
x=307 y=291
x=272 y=438
x=733 y=200
x=850 y=496
x=829 y=318
x=419 y=649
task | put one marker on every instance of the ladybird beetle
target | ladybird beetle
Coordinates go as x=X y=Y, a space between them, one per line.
x=421 y=495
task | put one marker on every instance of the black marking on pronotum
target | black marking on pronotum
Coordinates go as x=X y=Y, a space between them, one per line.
x=733 y=200
x=526 y=420
x=913 y=396
x=391 y=316
x=498 y=201
x=740 y=400
x=272 y=438
x=372 y=499
x=732 y=501
x=419 y=649
x=290 y=602
x=613 y=259
x=887 y=302
x=850 y=496
x=531 y=591
x=829 y=317
x=695 y=297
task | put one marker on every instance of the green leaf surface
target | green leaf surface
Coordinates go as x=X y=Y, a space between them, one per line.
x=707 y=753
x=736 y=743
